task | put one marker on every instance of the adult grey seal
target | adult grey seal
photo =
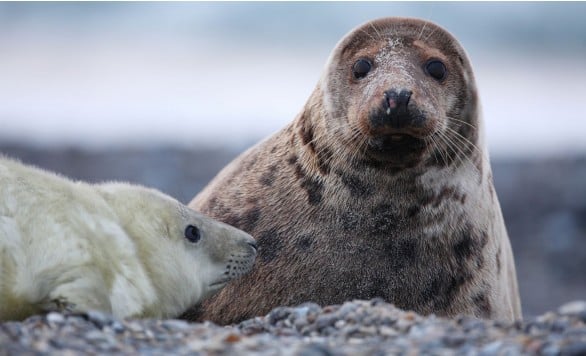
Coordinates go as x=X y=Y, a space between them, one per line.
x=118 y=248
x=381 y=187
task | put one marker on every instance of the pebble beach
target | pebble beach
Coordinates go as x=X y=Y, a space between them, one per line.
x=358 y=327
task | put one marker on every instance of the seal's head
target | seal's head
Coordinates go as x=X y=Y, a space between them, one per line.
x=188 y=256
x=401 y=90
x=219 y=252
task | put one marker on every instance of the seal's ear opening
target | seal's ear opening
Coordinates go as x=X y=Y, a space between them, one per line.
x=192 y=233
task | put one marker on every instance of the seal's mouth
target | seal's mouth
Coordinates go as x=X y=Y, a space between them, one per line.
x=396 y=144
x=396 y=149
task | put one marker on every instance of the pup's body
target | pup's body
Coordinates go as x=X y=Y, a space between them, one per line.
x=116 y=247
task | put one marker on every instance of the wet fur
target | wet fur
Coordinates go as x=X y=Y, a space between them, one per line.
x=334 y=222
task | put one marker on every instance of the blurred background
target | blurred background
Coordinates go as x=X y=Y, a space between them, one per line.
x=165 y=94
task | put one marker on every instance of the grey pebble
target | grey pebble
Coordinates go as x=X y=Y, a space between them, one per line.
x=577 y=349
x=55 y=318
x=573 y=308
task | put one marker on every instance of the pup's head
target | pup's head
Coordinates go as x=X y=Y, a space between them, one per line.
x=188 y=256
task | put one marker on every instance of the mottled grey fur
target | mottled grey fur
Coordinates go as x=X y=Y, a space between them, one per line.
x=335 y=220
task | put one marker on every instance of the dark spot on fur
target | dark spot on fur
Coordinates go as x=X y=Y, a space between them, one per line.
x=350 y=221
x=445 y=193
x=355 y=185
x=444 y=288
x=247 y=221
x=469 y=247
x=401 y=253
x=463 y=198
x=385 y=218
x=314 y=189
x=304 y=243
x=268 y=177
x=274 y=149
x=312 y=186
x=323 y=160
x=306 y=131
x=299 y=172
x=292 y=159
x=428 y=197
x=482 y=305
x=463 y=248
x=269 y=245
x=413 y=210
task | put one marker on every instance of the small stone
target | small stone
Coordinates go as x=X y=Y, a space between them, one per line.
x=99 y=319
x=576 y=349
x=454 y=340
x=55 y=318
x=278 y=314
x=325 y=320
x=175 y=325
x=387 y=331
x=231 y=338
x=559 y=326
x=573 y=308
x=95 y=335
x=340 y=324
x=315 y=350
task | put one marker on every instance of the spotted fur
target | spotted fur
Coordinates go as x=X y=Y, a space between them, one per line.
x=339 y=216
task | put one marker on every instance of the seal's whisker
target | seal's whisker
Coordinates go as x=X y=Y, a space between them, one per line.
x=461 y=137
x=368 y=34
x=447 y=147
x=430 y=34
x=462 y=122
x=380 y=37
x=458 y=143
x=422 y=29
x=451 y=146
x=436 y=146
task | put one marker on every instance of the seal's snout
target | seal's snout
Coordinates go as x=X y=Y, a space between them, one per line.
x=396 y=111
x=397 y=102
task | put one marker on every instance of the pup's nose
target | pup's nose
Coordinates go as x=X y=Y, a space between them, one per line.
x=397 y=102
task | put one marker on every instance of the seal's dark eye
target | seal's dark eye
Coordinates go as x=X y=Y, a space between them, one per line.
x=361 y=68
x=436 y=69
x=192 y=233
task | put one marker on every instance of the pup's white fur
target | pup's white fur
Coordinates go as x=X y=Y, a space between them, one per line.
x=114 y=247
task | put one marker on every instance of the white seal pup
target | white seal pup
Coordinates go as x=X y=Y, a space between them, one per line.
x=118 y=248
x=381 y=187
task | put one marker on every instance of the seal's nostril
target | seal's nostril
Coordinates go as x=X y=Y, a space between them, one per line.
x=398 y=100
x=404 y=97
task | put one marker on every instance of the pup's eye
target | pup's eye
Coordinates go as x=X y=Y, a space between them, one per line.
x=436 y=69
x=192 y=233
x=361 y=68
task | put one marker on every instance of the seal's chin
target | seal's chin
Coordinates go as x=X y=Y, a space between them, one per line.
x=397 y=149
